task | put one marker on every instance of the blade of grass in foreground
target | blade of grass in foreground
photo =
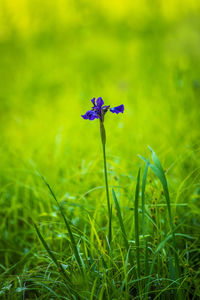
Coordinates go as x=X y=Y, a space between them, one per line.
x=121 y=223
x=74 y=247
x=110 y=229
x=144 y=180
x=60 y=267
x=137 y=224
x=159 y=172
x=69 y=286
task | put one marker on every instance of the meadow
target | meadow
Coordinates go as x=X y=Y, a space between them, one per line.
x=55 y=56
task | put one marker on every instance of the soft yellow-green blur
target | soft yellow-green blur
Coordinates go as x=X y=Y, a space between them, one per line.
x=57 y=55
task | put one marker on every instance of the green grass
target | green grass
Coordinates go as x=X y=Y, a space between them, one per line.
x=54 y=241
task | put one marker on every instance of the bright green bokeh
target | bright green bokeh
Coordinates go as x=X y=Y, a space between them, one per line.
x=56 y=56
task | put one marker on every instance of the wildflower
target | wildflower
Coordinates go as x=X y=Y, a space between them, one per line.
x=99 y=110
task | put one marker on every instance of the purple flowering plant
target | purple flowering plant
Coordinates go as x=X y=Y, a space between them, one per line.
x=98 y=111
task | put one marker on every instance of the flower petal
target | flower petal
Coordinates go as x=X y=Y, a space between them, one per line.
x=90 y=115
x=100 y=102
x=118 y=109
x=93 y=101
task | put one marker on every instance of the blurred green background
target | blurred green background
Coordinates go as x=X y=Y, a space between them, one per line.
x=57 y=55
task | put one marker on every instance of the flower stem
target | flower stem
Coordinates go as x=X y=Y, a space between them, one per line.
x=103 y=140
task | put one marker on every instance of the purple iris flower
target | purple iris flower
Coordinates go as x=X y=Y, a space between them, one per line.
x=99 y=110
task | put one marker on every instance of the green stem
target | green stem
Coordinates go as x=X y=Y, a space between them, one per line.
x=103 y=140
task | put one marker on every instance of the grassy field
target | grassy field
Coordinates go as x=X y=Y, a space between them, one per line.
x=55 y=56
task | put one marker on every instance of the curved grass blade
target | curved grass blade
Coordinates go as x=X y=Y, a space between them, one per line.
x=74 y=246
x=159 y=172
x=60 y=267
x=92 y=296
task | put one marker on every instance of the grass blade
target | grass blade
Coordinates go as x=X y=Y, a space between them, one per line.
x=60 y=267
x=74 y=247
x=120 y=220
x=159 y=172
x=144 y=180
x=137 y=224
x=110 y=228
x=121 y=223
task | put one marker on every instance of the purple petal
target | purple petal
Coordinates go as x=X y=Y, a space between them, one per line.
x=90 y=115
x=93 y=101
x=118 y=109
x=100 y=102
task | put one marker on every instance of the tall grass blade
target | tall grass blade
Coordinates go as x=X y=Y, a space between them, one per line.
x=144 y=180
x=146 y=259
x=92 y=296
x=121 y=223
x=74 y=247
x=110 y=227
x=60 y=267
x=159 y=172
x=171 y=270
x=137 y=223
